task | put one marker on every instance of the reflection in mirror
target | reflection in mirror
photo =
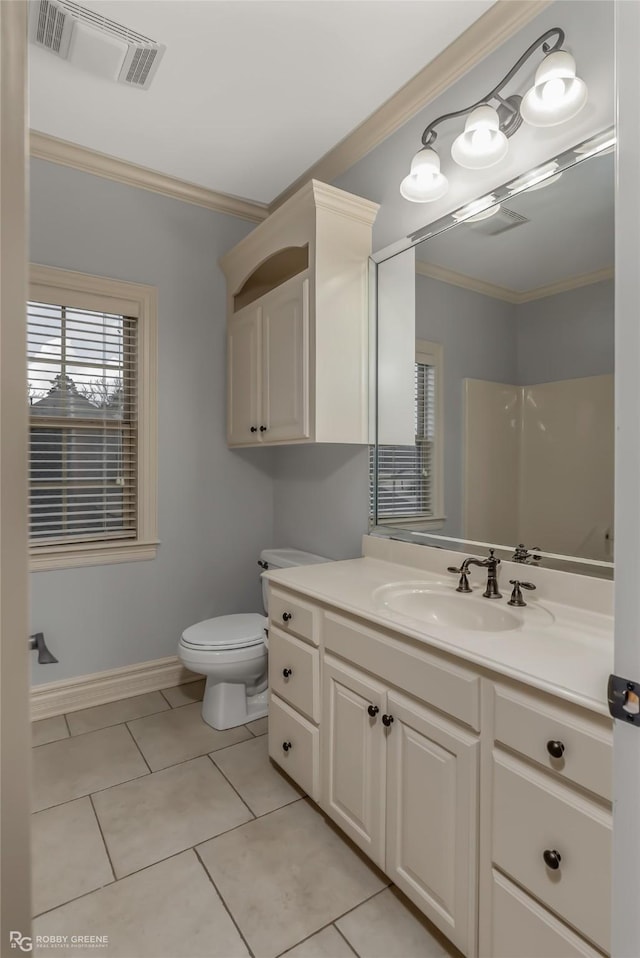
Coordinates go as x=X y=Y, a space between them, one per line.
x=510 y=327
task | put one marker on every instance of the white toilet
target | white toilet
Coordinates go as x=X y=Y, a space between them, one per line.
x=231 y=651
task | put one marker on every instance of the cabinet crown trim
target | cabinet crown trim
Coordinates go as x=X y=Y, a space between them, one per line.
x=299 y=208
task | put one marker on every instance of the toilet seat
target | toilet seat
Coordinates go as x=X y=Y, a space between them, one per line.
x=225 y=632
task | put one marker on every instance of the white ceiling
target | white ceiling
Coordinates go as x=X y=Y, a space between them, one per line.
x=250 y=93
x=570 y=232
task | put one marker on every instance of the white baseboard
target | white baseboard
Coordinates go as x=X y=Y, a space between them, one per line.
x=69 y=695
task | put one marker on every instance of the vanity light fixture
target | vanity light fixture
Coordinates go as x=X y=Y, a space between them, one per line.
x=556 y=96
x=478 y=210
x=425 y=182
x=603 y=144
x=536 y=179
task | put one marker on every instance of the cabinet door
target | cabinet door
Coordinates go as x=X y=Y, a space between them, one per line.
x=354 y=750
x=285 y=351
x=244 y=377
x=432 y=791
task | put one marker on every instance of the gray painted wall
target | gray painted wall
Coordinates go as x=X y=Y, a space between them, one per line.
x=322 y=498
x=215 y=506
x=479 y=338
x=567 y=336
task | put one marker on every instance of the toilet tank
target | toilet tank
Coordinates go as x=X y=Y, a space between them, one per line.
x=285 y=559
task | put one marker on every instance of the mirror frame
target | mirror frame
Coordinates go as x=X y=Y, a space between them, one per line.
x=565 y=160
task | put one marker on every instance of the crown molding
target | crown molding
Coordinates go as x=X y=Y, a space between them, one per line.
x=511 y=295
x=50 y=148
x=499 y=23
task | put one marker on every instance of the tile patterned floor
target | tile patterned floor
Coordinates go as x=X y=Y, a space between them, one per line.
x=177 y=841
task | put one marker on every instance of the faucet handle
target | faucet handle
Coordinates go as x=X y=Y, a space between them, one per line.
x=516 y=596
x=463 y=584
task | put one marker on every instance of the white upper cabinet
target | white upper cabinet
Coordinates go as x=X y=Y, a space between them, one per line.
x=298 y=351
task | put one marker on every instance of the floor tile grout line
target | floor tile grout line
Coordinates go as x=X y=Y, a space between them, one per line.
x=134 y=740
x=224 y=904
x=42 y=914
x=96 y=791
x=66 y=722
x=344 y=937
x=104 y=840
x=318 y=931
x=161 y=691
x=229 y=782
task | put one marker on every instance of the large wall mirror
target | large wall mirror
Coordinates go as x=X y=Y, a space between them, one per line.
x=495 y=353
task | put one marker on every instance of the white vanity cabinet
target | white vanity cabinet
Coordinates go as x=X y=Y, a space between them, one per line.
x=546 y=796
x=464 y=787
x=297 y=322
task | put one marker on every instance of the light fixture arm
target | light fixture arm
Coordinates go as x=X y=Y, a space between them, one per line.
x=510 y=103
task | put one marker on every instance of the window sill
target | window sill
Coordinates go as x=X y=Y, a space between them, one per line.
x=75 y=557
x=435 y=522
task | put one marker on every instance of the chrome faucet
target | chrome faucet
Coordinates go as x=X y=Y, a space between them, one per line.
x=491 y=564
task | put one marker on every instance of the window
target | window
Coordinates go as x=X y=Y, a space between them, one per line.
x=409 y=478
x=91 y=352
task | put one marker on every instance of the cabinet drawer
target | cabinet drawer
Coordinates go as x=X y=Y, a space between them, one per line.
x=526 y=723
x=293 y=615
x=294 y=672
x=432 y=679
x=531 y=814
x=301 y=760
x=521 y=928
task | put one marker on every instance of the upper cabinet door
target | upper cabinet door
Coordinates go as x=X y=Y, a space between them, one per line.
x=244 y=376
x=285 y=366
x=432 y=770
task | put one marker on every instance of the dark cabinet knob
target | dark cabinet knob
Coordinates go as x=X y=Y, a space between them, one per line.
x=373 y=710
x=287 y=745
x=555 y=749
x=552 y=858
x=286 y=616
x=387 y=720
x=287 y=673
x=263 y=428
x=254 y=429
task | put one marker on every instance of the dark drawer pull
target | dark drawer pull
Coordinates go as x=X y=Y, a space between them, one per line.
x=287 y=745
x=552 y=858
x=286 y=616
x=555 y=749
x=387 y=720
x=287 y=673
x=373 y=710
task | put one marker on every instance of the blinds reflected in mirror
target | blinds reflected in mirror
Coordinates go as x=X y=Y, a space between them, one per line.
x=82 y=402
x=405 y=474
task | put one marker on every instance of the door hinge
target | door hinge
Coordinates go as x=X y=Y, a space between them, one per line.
x=624 y=699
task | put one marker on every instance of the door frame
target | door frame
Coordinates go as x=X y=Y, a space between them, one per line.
x=15 y=731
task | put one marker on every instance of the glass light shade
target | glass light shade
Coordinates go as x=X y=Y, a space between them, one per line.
x=482 y=143
x=425 y=182
x=537 y=178
x=480 y=209
x=557 y=94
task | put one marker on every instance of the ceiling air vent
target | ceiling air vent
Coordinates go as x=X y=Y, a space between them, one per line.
x=502 y=221
x=94 y=43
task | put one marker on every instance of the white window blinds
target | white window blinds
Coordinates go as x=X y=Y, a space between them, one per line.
x=83 y=430
x=405 y=474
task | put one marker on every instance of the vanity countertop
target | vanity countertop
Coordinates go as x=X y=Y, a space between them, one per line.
x=570 y=658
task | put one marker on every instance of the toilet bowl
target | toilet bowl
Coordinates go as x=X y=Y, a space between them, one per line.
x=230 y=651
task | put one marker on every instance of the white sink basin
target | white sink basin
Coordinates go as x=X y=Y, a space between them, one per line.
x=453 y=610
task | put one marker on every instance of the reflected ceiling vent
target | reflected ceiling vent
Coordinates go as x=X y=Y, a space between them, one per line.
x=94 y=43
x=500 y=222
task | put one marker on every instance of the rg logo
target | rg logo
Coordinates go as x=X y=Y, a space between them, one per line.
x=20 y=941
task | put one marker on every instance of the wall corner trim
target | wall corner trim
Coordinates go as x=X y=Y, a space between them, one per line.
x=64 y=153
x=500 y=22
x=99 y=688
